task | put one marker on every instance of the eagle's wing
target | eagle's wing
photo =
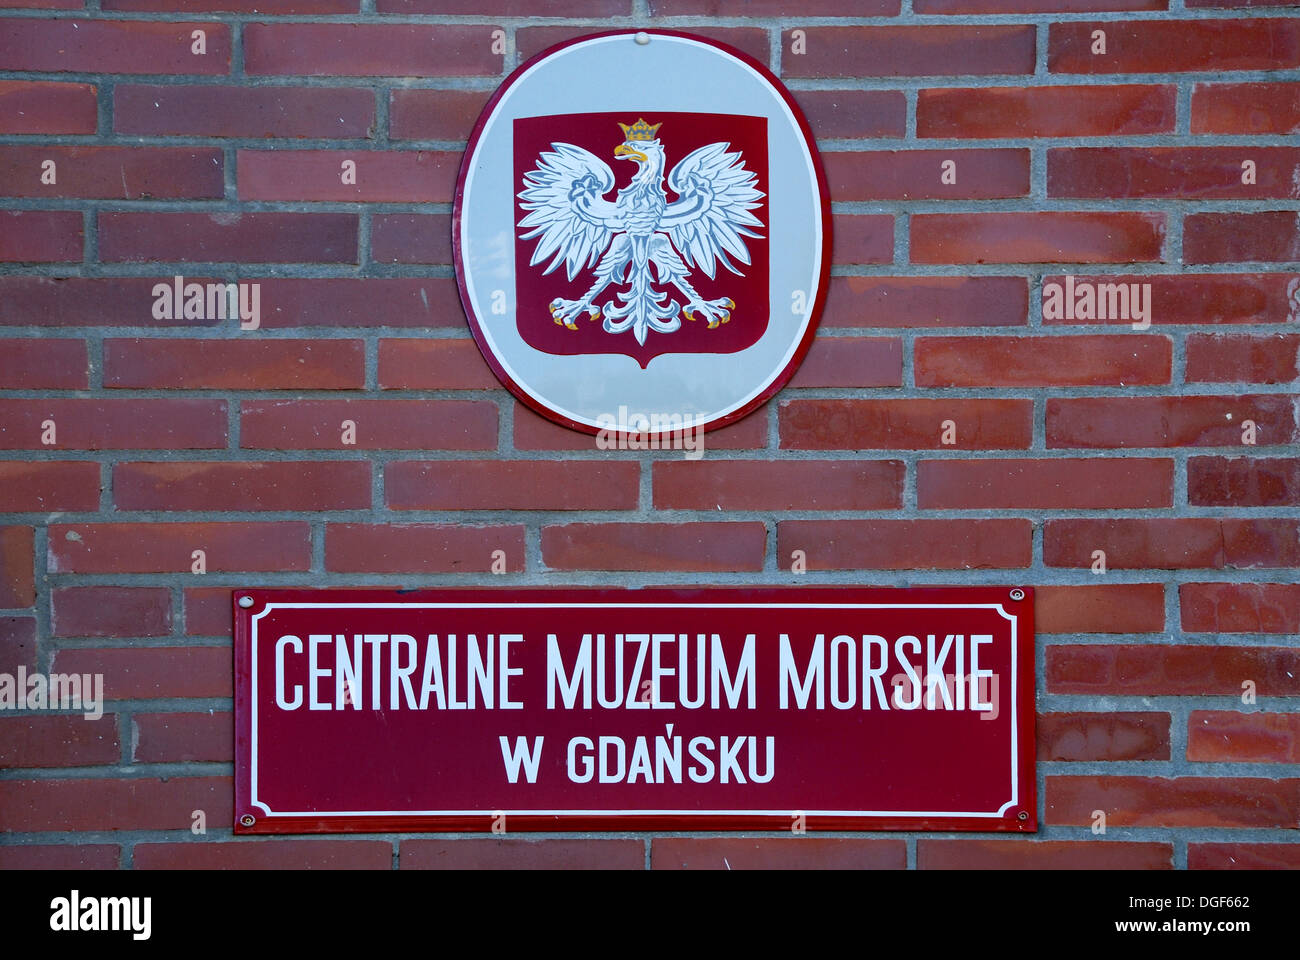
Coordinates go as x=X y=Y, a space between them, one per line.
x=565 y=197
x=715 y=196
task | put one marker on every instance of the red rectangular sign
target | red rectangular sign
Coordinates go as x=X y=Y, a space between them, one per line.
x=817 y=708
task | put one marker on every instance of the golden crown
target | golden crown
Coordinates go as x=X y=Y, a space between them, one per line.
x=640 y=130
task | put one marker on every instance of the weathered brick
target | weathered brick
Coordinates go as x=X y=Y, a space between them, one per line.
x=1018 y=854
x=1165 y=46
x=862 y=238
x=853 y=424
x=41 y=363
x=139 y=803
x=17 y=644
x=534 y=432
x=167 y=547
x=221 y=110
x=113 y=173
x=421 y=547
x=1240 y=856
x=1112 y=110
x=58 y=741
x=434 y=114
x=1220 y=358
x=919 y=174
x=244 y=485
x=1103 y=736
x=1074 y=484
x=278 y=854
x=780 y=485
x=441 y=364
x=1213 y=421
x=1155 y=670
x=183 y=738
x=60 y=856
x=906 y=544
x=386 y=424
x=751 y=40
x=419 y=302
x=854 y=114
x=1173 y=172
x=927 y=302
x=87 y=301
x=35 y=106
x=41 y=236
x=49 y=486
x=370 y=50
x=771 y=853
x=153 y=672
x=1192 y=298
x=17 y=576
x=851 y=362
x=236 y=6
x=379 y=176
x=518 y=853
x=411 y=238
x=247 y=364
x=1173 y=802
x=1246 y=108
x=1042 y=361
x=113 y=424
x=704 y=546
x=110 y=611
x=1224 y=736
x=1239 y=607
x=1043 y=237
x=1173 y=543
x=79 y=45
x=1099 y=608
x=248 y=237
x=511 y=485
x=1034 y=6
x=1270 y=236
x=911 y=51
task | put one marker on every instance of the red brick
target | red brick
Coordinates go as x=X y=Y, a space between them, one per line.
x=40 y=363
x=420 y=302
x=277 y=854
x=862 y=238
x=1173 y=802
x=1042 y=361
x=244 y=485
x=1033 y=6
x=533 y=432
x=1083 y=484
x=1173 y=543
x=778 y=485
x=1103 y=736
x=258 y=237
x=517 y=853
x=1044 y=237
x=183 y=738
x=421 y=547
x=434 y=114
x=703 y=546
x=1216 y=421
x=221 y=110
x=113 y=173
x=41 y=236
x=1198 y=298
x=44 y=4
x=17 y=644
x=1224 y=736
x=852 y=424
x=153 y=672
x=927 y=302
x=911 y=51
x=1154 y=46
x=141 y=803
x=1018 y=854
x=208 y=611
x=112 y=46
x=235 y=6
x=93 y=424
x=1239 y=607
x=906 y=544
x=110 y=612
x=370 y=50
x=773 y=8
x=511 y=485
x=380 y=424
x=589 y=9
x=245 y=364
x=851 y=362
x=854 y=114
x=1216 y=358
x=17 y=579
x=54 y=856
x=1234 y=856
x=407 y=176
x=28 y=106
x=1100 y=608
x=1271 y=236
x=917 y=174
x=49 y=486
x=86 y=301
x=1000 y=112
x=1155 y=670
x=59 y=741
x=433 y=365
x=166 y=547
x=410 y=238
x=751 y=40
x=1246 y=108
x=1172 y=172
x=771 y=853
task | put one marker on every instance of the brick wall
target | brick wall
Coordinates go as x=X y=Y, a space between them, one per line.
x=1072 y=435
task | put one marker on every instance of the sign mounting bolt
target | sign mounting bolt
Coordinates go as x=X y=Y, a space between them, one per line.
x=247 y=820
x=1022 y=815
x=245 y=602
x=642 y=37
x=1017 y=594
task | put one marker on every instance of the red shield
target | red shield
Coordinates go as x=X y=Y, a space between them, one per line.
x=680 y=134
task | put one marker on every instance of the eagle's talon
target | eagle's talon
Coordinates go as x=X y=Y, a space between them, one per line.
x=731 y=305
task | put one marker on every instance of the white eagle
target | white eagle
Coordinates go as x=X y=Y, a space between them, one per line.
x=565 y=197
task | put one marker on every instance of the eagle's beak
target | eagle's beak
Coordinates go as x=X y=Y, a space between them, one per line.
x=623 y=150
